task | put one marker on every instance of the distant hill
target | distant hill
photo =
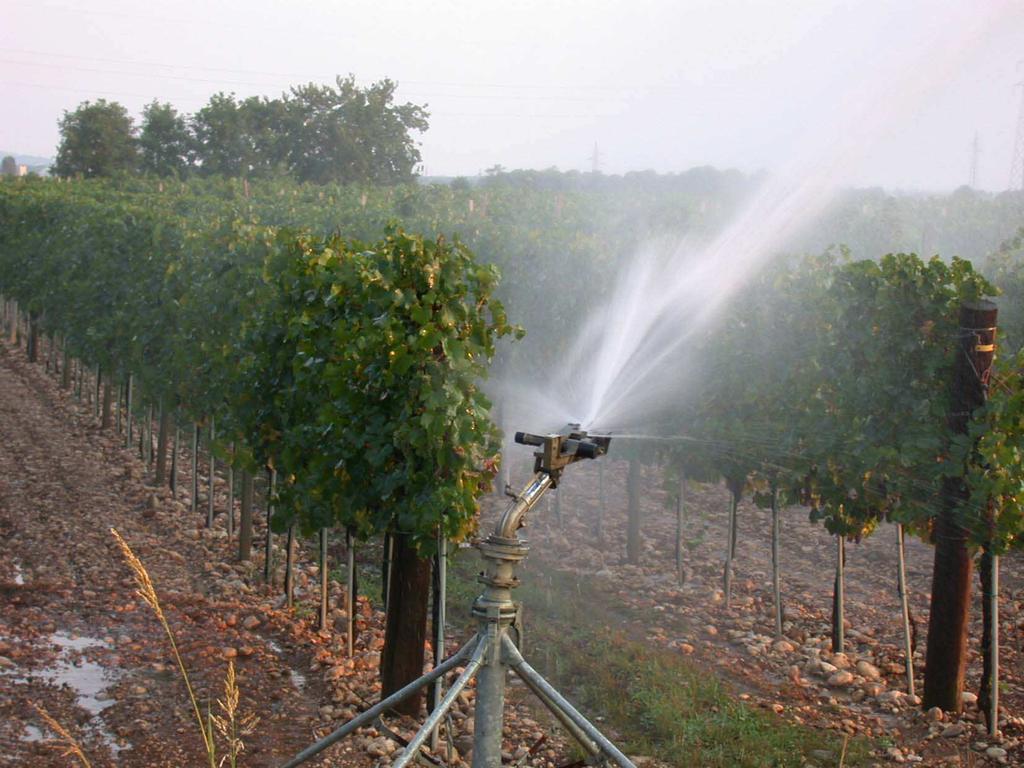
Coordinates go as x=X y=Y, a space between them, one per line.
x=35 y=163
x=27 y=159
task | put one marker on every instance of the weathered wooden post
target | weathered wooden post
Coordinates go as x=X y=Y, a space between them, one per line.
x=946 y=655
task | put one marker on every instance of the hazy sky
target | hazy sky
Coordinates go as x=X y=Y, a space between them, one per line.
x=528 y=83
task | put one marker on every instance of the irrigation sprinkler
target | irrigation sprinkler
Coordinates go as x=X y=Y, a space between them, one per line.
x=492 y=652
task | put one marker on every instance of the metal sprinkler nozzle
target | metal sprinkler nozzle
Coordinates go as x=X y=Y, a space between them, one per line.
x=559 y=451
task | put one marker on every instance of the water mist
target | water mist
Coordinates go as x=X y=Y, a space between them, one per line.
x=629 y=355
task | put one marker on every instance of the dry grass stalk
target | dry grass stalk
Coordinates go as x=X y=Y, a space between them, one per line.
x=147 y=592
x=229 y=724
x=64 y=740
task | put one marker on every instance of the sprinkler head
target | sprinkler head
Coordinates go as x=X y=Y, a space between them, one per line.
x=560 y=450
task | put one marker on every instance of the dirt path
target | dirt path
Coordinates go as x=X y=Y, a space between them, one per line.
x=739 y=642
x=75 y=640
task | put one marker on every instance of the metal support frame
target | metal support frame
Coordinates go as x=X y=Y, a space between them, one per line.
x=492 y=652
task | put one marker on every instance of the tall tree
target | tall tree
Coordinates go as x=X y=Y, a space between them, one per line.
x=9 y=167
x=221 y=148
x=241 y=138
x=346 y=133
x=165 y=141
x=97 y=139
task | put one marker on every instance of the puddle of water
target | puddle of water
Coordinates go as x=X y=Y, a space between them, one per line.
x=86 y=678
x=298 y=679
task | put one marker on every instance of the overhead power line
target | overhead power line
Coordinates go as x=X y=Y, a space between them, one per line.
x=222 y=82
x=623 y=90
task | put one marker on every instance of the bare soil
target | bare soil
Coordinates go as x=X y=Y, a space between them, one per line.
x=76 y=640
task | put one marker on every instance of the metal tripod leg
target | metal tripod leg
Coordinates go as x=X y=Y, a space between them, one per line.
x=533 y=678
x=435 y=717
x=371 y=714
x=567 y=723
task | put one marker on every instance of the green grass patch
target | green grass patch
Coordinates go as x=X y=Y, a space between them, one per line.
x=658 y=702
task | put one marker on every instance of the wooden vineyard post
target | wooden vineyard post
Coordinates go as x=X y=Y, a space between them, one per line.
x=231 y=494
x=289 y=568
x=128 y=412
x=350 y=594
x=405 y=630
x=174 y=459
x=901 y=582
x=213 y=476
x=776 y=566
x=148 y=456
x=268 y=548
x=107 y=405
x=730 y=544
x=388 y=549
x=633 y=513
x=33 y=339
x=988 y=699
x=946 y=654
x=120 y=408
x=161 y=442
x=245 y=518
x=96 y=399
x=65 y=371
x=680 y=509
x=194 y=503
x=839 y=598
x=324 y=582
x=143 y=430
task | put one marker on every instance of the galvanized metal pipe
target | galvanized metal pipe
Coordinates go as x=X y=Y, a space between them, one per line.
x=439 y=619
x=350 y=593
x=526 y=672
x=776 y=577
x=574 y=730
x=435 y=717
x=993 y=677
x=324 y=585
x=489 y=713
x=371 y=714
x=901 y=584
x=512 y=520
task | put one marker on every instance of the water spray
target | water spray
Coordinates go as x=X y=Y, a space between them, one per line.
x=493 y=650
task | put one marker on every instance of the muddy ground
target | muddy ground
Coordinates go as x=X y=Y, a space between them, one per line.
x=76 y=640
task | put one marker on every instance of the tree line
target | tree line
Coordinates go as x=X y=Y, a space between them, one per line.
x=315 y=133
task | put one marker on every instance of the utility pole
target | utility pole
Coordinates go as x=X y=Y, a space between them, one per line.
x=595 y=160
x=975 y=152
x=1017 y=163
